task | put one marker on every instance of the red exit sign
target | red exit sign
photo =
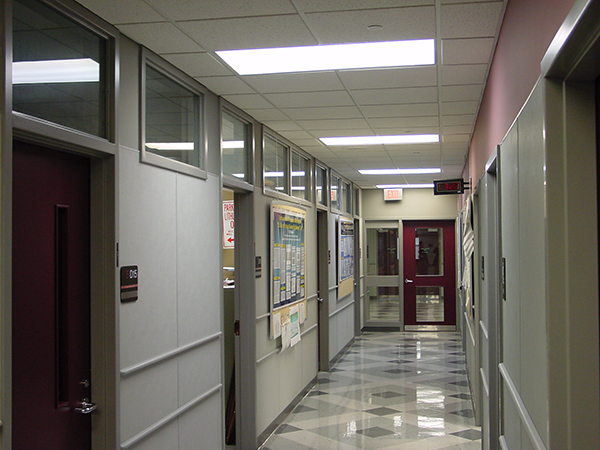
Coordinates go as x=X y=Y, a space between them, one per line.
x=390 y=195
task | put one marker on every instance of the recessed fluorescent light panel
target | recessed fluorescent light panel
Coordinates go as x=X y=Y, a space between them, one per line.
x=84 y=70
x=405 y=186
x=330 y=57
x=400 y=171
x=383 y=140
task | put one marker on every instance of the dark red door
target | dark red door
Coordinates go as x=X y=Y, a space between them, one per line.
x=51 y=299
x=429 y=273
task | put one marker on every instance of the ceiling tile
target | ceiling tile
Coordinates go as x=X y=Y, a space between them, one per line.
x=467 y=51
x=124 y=11
x=333 y=124
x=336 y=132
x=198 y=64
x=462 y=119
x=456 y=108
x=464 y=74
x=389 y=78
x=249 y=32
x=295 y=82
x=404 y=122
x=336 y=112
x=415 y=110
x=470 y=19
x=395 y=96
x=223 y=85
x=352 y=26
x=284 y=125
x=211 y=9
x=457 y=129
x=267 y=115
x=341 y=5
x=161 y=37
x=310 y=99
x=471 y=92
x=248 y=101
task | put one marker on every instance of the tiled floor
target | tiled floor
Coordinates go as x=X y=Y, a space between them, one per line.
x=401 y=391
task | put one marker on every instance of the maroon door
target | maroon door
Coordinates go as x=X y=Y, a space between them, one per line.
x=51 y=300
x=429 y=273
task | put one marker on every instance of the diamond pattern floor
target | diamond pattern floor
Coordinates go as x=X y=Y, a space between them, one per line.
x=390 y=391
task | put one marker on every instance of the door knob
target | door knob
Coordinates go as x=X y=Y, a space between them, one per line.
x=86 y=407
x=408 y=281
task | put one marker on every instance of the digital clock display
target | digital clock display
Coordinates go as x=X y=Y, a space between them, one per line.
x=455 y=186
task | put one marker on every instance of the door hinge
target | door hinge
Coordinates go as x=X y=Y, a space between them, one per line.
x=236 y=327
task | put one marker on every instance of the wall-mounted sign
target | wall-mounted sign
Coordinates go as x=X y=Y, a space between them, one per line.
x=228 y=224
x=392 y=195
x=129 y=283
x=447 y=187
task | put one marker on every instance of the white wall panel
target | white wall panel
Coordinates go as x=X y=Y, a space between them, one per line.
x=147 y=397
x=267 y=393
x=195 y=375
x=198 y=252
x=197 y=427
x=532 y=254
x=147 y=238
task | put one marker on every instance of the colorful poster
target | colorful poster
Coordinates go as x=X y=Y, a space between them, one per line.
x=346 y=249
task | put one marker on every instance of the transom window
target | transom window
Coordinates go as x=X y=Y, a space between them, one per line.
x=275 y=165
x=235 y=143
x=59 y=69
x=173 y=113
x=300 y=176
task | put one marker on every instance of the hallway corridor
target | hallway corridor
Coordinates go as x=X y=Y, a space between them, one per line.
x=401 y=391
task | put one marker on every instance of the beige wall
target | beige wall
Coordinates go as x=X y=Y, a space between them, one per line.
x=416 y=204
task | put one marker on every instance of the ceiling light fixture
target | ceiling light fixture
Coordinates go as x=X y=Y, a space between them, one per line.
x=330 y=57
x=84 y=70
x=383 y=140
x=399 y=171
x=405 y=186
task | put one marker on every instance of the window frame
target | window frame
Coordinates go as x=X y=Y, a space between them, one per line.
x=326 y=189
x=148 y=58
x=308 y=184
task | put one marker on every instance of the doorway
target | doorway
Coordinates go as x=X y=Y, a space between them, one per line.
x=429 y=275
x=51 y=299
x=382 y=278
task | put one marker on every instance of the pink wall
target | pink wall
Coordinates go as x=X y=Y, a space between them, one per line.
x=528 y=28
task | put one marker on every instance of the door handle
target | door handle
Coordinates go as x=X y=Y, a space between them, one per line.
x=86 y=407
x=320 y=300
x=406 y=280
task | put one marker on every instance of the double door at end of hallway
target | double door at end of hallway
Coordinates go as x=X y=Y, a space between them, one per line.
x=411 y=278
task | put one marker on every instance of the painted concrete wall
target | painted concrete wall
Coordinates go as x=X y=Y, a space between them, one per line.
x=416 y=204
x=527 y=30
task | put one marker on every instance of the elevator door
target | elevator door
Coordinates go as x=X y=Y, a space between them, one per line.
x=429 y=275
x=51 y=300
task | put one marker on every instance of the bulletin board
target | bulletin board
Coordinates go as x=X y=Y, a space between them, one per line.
x=346 y=257
x=288 y=272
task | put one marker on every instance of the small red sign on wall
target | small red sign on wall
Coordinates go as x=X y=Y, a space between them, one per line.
x=390 y=195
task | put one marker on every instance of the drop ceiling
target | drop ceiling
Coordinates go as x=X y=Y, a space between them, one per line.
x=303 y=107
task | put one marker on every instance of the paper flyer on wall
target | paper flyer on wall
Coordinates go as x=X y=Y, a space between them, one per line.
x=294 y=325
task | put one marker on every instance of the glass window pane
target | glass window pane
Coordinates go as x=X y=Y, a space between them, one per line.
x=428 y=248
x=58 y=69
x=275 y=165
x=384 y=303
x=382 y=251
x=172 y=119
x=430 y=304
x=346 y=197
x=335 y=192
x=321 y=186
x=299 y=176
x=235 y=135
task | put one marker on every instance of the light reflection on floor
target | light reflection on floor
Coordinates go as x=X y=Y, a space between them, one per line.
x=390 y=391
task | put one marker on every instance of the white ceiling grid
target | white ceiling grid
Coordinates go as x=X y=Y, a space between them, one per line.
x=302 y=107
